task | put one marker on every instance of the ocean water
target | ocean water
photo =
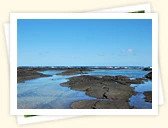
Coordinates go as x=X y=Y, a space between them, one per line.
x=125 y=72
x=46 y=92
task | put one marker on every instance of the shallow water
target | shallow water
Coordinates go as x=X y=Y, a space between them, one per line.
x=46 y=92
x=138 y=100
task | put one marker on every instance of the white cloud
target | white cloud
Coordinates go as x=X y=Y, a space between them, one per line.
x=129 y=50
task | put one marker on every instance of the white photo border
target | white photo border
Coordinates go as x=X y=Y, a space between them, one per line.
x=13 y=64
x=126 y=9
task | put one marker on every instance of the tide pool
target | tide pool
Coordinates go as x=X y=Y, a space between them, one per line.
x=46 y=92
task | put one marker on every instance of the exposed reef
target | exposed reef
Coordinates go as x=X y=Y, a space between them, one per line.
x=24 y=74
x=100 y=104
x=148 y=96
x=149 y=76
x=74 y=71
x=116 y=89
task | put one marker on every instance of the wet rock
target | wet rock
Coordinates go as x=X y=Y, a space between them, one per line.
x=148 y=96
x=147 y=69
x=84 y=104
x=149 y=76
x=105 y=87
x=74 y=71
x=24 y=74
x=100 y=104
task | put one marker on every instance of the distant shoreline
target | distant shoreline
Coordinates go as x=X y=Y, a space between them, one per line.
x=42 y=68
x=28 y=73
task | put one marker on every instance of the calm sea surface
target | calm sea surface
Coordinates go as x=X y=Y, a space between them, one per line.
x=46 y=92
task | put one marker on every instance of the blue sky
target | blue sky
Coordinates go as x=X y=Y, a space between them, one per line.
x=89 y=42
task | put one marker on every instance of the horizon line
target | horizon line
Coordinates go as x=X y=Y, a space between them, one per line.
x=83 y=66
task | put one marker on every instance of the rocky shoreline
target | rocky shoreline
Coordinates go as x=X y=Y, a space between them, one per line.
x=74 y=71
x=110 y=91
x=27 y=73
x=24 y=74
